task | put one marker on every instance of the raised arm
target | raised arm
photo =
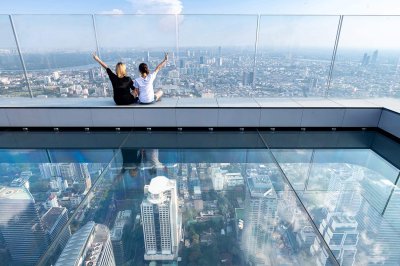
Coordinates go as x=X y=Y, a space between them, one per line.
x=162 y=64
x=98 y=60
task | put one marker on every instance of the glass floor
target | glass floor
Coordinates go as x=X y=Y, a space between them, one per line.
x=199 y=198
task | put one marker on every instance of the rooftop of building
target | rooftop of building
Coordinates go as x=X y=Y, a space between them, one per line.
x=15 y=193
x=75 y=246
x=50 y=218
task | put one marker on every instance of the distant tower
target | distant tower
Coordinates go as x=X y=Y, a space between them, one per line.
x=374 y=57
x=161 y=222
x=49 y=170
x=201 y=59
x=341 y=234
x=90 y=245
x=219 y=62
x=260 y=219
x=173 y=59
x=92 y=75
x=148 y=57
x=365 y=60
x=67 y=170
x=182 y=63
x=20 y=226
x=248 y=78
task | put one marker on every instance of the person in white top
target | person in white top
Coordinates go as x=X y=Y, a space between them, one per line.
x=144 y=84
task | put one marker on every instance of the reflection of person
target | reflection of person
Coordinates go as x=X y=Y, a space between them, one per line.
x=145 y=161
x=144 y=83
x=124 y=92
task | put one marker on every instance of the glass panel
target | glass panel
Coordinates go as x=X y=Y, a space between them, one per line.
x=346 y=192
x=294 y=55
x=134 y=39
x=367 y=60
x=226 y=204
x=149 y=200
x=12 y=79
x=57 y=51
x=95 y=205
x=392 y=210
x=39 y=190
x=216 y=55
x=22 y=189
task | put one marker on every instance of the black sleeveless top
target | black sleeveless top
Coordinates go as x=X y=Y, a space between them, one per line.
x=121 y=89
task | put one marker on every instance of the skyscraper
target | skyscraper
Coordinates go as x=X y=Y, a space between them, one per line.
x=182 y=63
x=260 y=218
x=202 y=60
x=341 y=234
x=374 y=57
x=160 y=218
x=90 y=245
x=20 y=226
x=92 y=75
x=365 y=60
x=49 y=170
x=248 y=78
x=67 y=170
x=219 y=62
x=117 y=234
x=53 y=222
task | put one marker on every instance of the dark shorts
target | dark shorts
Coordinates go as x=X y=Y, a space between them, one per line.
x=154 y=101
x=125 y=100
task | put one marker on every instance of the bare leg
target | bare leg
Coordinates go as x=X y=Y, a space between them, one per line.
x=158 y=95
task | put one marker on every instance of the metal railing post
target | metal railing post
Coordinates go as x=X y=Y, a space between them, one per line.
x=95 y=35
x=177 y=57
x=339 y=29
x=255 y=51
x=20 y=55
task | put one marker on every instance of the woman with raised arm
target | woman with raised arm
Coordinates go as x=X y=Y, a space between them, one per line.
x=123 y=91
x=144 y=83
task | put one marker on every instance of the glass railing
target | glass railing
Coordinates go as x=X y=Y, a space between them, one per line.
x=210 y=55
x=250 y=198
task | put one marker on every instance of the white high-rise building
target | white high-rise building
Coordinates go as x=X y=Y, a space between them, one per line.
x=20 y=226
x=217 y=178
x=49 y=170
x=67 y=170
x=161 y=220
x=341 y=234
x=260 y=219
x=90 y=245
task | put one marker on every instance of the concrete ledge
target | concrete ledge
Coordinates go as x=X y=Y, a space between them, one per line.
x=202 y=112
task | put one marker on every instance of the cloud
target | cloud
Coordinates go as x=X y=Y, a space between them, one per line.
x=157 y=6
x=115 y=11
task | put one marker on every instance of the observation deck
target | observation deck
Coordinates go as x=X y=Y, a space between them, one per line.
x=308 y=104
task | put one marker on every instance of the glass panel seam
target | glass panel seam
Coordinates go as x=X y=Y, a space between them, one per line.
x=339 y=29
x=302 y=206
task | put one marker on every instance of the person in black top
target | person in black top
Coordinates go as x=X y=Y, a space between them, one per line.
x=123 y=89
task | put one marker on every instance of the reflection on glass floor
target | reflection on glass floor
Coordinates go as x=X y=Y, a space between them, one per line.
x=287 y=199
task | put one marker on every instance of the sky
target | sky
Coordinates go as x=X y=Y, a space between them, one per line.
x=344 y=7
x=72 y=32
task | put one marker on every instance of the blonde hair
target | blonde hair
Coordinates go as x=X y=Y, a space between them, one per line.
x=120 y=69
